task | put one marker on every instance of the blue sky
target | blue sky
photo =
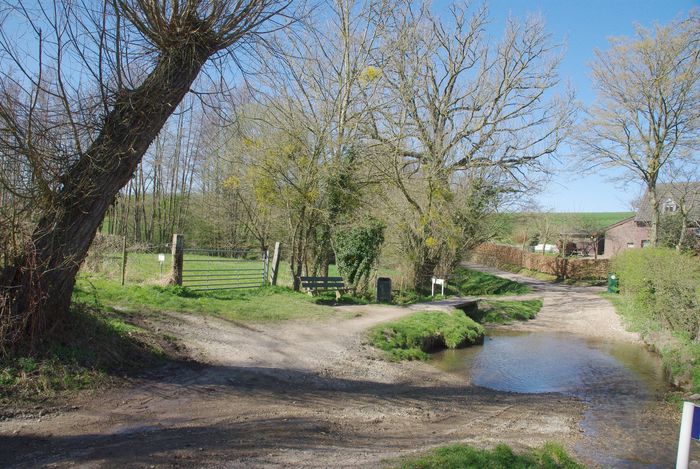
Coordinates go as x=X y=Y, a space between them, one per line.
x=585 y=25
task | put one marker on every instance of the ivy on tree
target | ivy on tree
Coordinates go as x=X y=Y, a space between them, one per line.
x=357 y=252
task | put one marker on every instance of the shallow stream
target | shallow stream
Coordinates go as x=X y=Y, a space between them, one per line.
x=621 y=384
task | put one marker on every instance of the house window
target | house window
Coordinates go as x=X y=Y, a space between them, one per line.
x=645 y=243
x=670 y=206
x=630 y=245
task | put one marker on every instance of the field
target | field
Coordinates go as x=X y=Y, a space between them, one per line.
x=565 y=220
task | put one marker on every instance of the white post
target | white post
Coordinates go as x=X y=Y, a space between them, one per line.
x=432 y=289
x=443 y=287
x=684 y=439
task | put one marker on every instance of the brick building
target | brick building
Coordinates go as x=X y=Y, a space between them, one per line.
x=633 y=232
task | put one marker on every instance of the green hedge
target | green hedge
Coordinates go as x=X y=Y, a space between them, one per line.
x=664 y=285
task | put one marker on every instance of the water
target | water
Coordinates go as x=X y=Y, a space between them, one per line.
x=621 y=384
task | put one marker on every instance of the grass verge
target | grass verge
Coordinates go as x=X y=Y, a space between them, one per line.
x=502 y=312
x=86 y=352
x=550 y=456
x=263 y=304
x=412 y=337
x=680 y=355
x=466 y=282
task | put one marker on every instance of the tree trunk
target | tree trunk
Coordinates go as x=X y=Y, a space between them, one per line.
x=654 y=230
x=684 y=231
x=37 y=291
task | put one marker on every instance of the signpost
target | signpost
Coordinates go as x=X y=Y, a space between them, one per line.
x=690 y=429
x=441 y=282
x=161 y=259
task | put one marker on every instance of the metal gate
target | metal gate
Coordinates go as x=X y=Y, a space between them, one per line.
x=224 y=269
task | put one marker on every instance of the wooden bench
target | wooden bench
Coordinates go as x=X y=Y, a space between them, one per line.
x=315 y=284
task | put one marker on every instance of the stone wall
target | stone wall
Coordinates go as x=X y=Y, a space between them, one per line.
x=503 y=256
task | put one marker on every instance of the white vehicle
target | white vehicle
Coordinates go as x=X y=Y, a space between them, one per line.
x=551 y=248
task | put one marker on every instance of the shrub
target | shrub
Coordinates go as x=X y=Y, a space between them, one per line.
x=664 y=284
x=357 y=251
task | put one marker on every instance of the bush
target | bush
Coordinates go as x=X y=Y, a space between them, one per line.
x=664 y=284
x=357 y=251
x=414 y=336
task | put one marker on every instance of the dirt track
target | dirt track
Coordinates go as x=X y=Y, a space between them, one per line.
x=306 y=394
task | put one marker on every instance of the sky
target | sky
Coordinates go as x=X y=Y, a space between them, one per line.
x=583 y=26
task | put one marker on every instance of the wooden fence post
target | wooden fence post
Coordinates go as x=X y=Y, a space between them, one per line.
x=275 y=263
x=178 y=251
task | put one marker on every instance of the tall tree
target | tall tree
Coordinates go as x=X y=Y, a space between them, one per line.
x=459 y=107
x=82 y=135
x=321 y=87
x=647 y=111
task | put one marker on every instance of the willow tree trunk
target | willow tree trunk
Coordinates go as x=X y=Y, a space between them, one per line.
x=36 y=291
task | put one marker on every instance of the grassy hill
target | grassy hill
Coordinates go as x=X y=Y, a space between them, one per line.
x=565 y=220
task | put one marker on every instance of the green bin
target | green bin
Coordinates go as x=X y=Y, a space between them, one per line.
x=613 y=284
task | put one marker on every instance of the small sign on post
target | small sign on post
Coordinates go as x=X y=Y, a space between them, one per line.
x=690 y=430
x=161 y=260
x=438 y=281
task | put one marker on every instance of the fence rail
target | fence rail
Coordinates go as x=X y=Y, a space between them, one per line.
x=206 y=269
x=200 y=269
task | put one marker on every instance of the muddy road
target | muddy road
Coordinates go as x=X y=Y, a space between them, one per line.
x=312 y=394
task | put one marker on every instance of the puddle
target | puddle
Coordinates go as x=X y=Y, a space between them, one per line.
x=621 y=384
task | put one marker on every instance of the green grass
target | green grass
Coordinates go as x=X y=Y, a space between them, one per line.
x=262 y=304
x=550 y=456
x=680 y=355
x=467 y=282
x=501 y=312
x=574 y=221
x=83 y=353
x=412 y=337
x=145 y=267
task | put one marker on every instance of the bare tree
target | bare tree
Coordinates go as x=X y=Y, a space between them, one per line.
x=82 y=134
x=546 y=227
x=317 y=93
x=457 y=107
x=647 y=113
